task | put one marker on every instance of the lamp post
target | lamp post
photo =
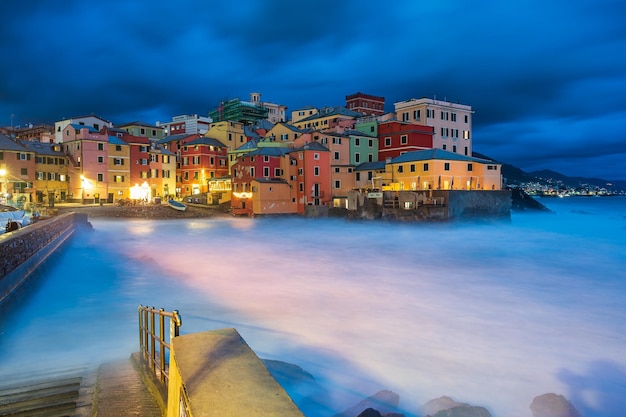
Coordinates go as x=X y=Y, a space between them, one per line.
x=3 y=175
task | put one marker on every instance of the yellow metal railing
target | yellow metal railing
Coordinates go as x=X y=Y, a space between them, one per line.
x=154 y=347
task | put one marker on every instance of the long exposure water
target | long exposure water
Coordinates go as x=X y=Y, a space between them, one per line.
x=489 y=313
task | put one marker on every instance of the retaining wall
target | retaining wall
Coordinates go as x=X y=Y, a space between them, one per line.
x=23 y=250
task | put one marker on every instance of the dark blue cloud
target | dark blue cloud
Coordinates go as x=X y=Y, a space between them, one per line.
x=547 y=80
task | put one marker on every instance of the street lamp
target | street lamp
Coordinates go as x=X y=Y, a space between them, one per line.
x=3 y=174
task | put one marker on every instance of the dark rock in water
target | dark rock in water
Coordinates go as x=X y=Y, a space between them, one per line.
x=553 y=405
x=370 y=412
x=299 y=384
x=385 y=402
x=447 y=407
x=520 y=201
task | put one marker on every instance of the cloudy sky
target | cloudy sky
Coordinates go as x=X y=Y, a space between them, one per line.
x=547 y=79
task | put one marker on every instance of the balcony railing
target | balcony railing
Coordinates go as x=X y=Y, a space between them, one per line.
x=154 y=347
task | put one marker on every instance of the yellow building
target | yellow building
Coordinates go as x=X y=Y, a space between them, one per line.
x=119 y=169
x=231 y=134
x=436 y=169
x=283 y=133
x=51 y=172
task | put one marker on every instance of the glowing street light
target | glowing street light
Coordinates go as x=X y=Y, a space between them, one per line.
x=3 y=174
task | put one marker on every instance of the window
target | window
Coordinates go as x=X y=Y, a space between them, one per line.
x=100 y=159
x=430 y=113
x=252 y=171
x=370 y=158
x=453 y=117
x=466 y=134
x=444 y=132
x=277 y=172
x=266 y=158
x=144 y=161
x=100 y=177
x=425 y=166
x=358 y=176
x=466 y=151
x=165 y=173
x=400 y=169
x=196 y=175
x=301 y=186
x=466 y=118
x=357 y=157
x=316 y=156
x=337 y=170
x=24 y=171
x=405 y=116
x=266 y=171
x=357 y=142
x=336 y=155
x=100 y=146
x=387 y=141
x=40 y=175
x=185 y=160
x=316 y=171
x=403 y=139
x=417 y=115
x=412 y=168
x=454 y=148
x=444 y=146
x=118 y=178
x=337 y=141
x=337 y=184
x=196 y=160
x=446 y=166
x=118 y=148
x=284 y=136
x=300 y=171
x=186 y=176
x=370 y=143
x=142 y=131
x=470 y=167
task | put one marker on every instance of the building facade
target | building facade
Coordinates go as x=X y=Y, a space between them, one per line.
x=451 y=122
x=366 y=104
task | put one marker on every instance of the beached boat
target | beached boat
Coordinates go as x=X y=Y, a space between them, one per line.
x=176 y=205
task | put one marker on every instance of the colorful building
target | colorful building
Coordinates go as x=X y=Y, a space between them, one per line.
x=202 y=159
x=51 y=172
x=329 y=118
x=451 y=122
x=396 y=138
x=119 y=169
x=144 y=129
x=186 y=124
x=436 y=169
x=366 y=104
x=17 y=172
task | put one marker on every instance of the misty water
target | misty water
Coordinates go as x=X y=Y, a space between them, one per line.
x=489 y=313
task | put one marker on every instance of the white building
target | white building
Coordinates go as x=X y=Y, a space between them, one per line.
x=187 y=123
x=88 y=121
x=452 y=122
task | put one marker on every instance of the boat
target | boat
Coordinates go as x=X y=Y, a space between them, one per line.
x=176 y=205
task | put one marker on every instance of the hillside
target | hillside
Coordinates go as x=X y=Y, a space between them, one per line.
x=547 y=178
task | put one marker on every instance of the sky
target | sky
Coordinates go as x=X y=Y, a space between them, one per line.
x=547 y=80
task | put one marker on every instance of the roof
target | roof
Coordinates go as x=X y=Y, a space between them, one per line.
x=311 y=146
x=352 y=132
x=79 y=127
x=205 y=140
x=172 y=138
x=251 y=144
x=42 y=148
x=139 y=123
x=271 y=180
x=371 y=166
x=250 y=132
x=429 y=154
x=8 y=144
x=269 y=151
x=116 y=141
x=331 y=111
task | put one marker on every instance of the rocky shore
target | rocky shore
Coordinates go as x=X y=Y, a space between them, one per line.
x=147 y=211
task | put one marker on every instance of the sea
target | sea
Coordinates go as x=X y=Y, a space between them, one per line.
x=491 y=313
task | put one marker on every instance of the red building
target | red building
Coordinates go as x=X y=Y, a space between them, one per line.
x=310 y=175
x=396 y=138
x=265 y=163
x=201 y=159
x=366 y=104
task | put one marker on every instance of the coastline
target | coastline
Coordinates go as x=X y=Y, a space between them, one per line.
x=148 y=211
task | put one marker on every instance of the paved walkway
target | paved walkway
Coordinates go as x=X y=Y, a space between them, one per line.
x=122 y=392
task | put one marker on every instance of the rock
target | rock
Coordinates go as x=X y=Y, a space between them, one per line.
x=553 y=405
x=370 y=412
x=447 y=407
x=384 y=402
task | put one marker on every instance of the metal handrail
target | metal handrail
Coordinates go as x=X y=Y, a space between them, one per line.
x=148 y=338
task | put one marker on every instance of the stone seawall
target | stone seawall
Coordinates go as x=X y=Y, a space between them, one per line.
x=23 y=250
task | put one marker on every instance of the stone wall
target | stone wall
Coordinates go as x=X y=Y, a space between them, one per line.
x=23 y=250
